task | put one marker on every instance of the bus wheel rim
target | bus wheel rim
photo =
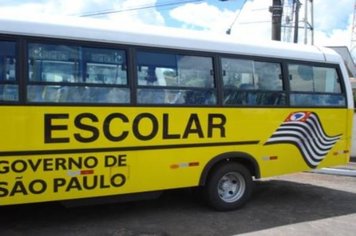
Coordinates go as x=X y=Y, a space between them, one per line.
x=231 y=187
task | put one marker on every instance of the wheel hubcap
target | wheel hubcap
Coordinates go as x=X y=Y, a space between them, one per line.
x=231 y=187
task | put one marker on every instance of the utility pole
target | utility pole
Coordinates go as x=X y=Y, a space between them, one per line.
x=291 y=9
x=287 y=20
x=309 y=25
x=277 y=10
x=296 y=22
x=312 y=21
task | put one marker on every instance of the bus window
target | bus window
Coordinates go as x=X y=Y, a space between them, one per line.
x=248 y=82
x=269 y=76
x=315 y=86
x=117 y=95
x=165 y=78
x=105 y=66
x=9 y=92
x=8 y=80
x=237 y=72
x=74 y=74
x=53 y=63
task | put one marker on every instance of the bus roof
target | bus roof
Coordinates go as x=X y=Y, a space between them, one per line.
x=86 y=29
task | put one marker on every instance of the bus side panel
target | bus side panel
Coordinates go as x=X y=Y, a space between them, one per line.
x=298 y=146
x=57 y=153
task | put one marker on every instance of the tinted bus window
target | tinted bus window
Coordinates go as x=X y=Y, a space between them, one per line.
x=9 y=90
x=248 y=82
x=175 y=79
x=105 y=66
x=60 y=73
x=315 y=86
x=54 y=63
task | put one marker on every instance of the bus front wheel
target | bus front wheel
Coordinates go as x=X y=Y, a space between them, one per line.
x=228 y=187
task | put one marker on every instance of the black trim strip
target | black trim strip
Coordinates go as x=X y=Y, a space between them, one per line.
x=120 y=149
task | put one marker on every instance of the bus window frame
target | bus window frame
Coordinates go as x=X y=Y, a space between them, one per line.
x=283 y=93
x=17 y=81
x=215 y=76
x=337 y=69
x=22 y=70
x=80 y=44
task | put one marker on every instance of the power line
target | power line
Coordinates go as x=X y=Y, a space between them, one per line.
x=228 y=31
x=142 y=7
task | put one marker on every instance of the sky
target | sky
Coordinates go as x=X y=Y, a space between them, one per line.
x=248 y=19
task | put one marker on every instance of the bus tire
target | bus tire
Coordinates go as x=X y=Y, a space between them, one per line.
x=228 y=187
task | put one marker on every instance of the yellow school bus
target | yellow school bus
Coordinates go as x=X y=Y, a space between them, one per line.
x=91 y=111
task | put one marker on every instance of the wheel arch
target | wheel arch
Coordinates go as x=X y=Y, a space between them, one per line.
x=240 y=157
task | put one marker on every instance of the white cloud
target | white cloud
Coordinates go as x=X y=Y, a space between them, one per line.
x=332 y=20
x=52 y=7
x=331 y=14
x=203 y=16
x=210 y=18
x=332 y=24
x=145 y=16
x=254 y=21
x=79 y=7
x=336 y=36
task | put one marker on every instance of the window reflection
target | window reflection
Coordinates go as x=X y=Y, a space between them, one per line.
x=165 y=78
x=9 y=90
x=71 y=74
x=253 y=83
x=314 y=86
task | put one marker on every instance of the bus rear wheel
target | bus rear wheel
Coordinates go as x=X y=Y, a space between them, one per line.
x=228 y=187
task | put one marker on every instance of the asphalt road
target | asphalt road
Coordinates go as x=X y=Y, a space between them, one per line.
x=297 y=204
